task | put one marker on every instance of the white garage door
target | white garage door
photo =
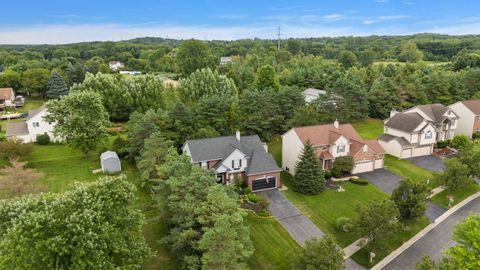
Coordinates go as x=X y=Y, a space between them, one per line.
x=364 y=166
x=379 y=163
x=421 y=151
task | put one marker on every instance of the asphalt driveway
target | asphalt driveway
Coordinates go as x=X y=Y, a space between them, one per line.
x=431 y=163
x=433 y=211
x=296 y=224
x=382 y=179
x=434 y=242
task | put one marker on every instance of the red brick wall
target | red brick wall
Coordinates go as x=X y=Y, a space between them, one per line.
x=211 y=164
x=250 y=178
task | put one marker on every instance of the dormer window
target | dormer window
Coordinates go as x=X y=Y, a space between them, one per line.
x=428 y=134
x=341 y=148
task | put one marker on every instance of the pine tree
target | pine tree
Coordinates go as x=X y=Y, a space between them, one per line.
x=56 y=86
x=309 y=178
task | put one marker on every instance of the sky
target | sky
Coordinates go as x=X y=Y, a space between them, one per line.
x=68 y=21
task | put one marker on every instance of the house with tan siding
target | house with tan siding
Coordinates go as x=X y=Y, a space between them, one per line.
x=469 y=113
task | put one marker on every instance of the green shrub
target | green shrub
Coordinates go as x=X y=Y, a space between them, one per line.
x=247 y=190
x=263 y=213
x=14 y=149
x=336 y=173
x=328 y=174
x=253 y=198
x=459 y=141
x=43 y=139
x=476 y=135
x=344 y=224
x=343 y=164
x=262 y=203
x=359 y=181
x=443 y=144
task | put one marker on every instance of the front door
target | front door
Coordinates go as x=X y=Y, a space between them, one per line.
x=220 y=178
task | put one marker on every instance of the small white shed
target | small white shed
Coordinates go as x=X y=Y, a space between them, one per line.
x=110 y=162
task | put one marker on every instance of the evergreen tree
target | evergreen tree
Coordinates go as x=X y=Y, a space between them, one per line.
x=309 y=178
x=56 y=86
x=383 y=97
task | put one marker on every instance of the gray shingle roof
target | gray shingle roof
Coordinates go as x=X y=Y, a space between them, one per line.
x=32 y=113
x=434 y=111
x=220 y=148
x=407 y=122
x=16 y=129
x=388 y=137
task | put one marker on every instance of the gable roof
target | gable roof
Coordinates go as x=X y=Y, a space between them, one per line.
x=34 y=112
x=6 y=93
x=473 y=105
x=326 y=134
x=434 y=111
x=388 y=137
x=407 y=122
x=219 y=148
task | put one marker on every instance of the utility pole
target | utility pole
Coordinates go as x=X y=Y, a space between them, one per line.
x=278 y=44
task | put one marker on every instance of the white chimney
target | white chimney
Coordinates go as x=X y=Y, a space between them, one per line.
x=335 y=123
x=392 y=113
x=237 y=134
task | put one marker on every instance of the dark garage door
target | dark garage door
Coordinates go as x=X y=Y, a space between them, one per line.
x=270 y=182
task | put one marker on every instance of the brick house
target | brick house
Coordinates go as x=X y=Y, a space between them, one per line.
x=330 y=142
x=233 y=157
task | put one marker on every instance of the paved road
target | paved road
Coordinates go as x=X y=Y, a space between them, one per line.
x=431 y=163
x=297 y=225
x=434 y=211
x=435 y=241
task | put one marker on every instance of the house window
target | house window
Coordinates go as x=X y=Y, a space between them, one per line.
x=478 y=118
x=36 y=124
x=341 y=148
x=428 y=134
x=238 y=163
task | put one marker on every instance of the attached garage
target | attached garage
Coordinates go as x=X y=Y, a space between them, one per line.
x=379 y=163
x=421 y=151
x=363 y=166
x=264 y=183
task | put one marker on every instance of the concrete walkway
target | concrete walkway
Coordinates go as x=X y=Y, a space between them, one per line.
x=354 y=247
x=432 y=240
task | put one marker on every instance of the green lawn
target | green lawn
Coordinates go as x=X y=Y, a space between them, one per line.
x=274 y=247
x=459 y=195
x=407 y=169
x=62 y=167
x=362 y=256
x=369 y=128
x=324 y=209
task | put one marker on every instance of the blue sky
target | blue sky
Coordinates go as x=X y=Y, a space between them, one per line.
x=54 y=21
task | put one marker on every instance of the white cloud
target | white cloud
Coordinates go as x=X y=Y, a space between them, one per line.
x=383 y=18
x=460 y=29
x=230 y=16
x=333 y=17
x=382 y=1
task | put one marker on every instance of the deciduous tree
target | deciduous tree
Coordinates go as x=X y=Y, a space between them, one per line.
x=320 y=254
x=410 y=198
x=17 y=180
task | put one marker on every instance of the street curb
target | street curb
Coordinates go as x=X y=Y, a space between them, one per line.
x=380 y=265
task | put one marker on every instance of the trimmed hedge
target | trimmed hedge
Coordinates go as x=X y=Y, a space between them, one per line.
x=359 y=181
x=43 y=139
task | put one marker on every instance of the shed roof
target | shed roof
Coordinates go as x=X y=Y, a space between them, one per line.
x=16 y=129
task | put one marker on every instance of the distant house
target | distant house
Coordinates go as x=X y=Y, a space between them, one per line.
x=7 y=98
x=414 y=132
x=128 y=72
x=311 y=94
x=28 y=130
x=330 y=142
x=115 y=65
x=469 y=113
x=110 y=162
x=225 y=60
x=236 y=157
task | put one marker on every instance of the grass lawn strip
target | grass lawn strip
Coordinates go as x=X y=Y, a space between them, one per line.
x=369 y=128
x=407 y=169
x=458 y=195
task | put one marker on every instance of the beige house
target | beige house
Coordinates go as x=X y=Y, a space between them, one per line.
x=330 y=142
x=414 y=132
x=469 y=113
